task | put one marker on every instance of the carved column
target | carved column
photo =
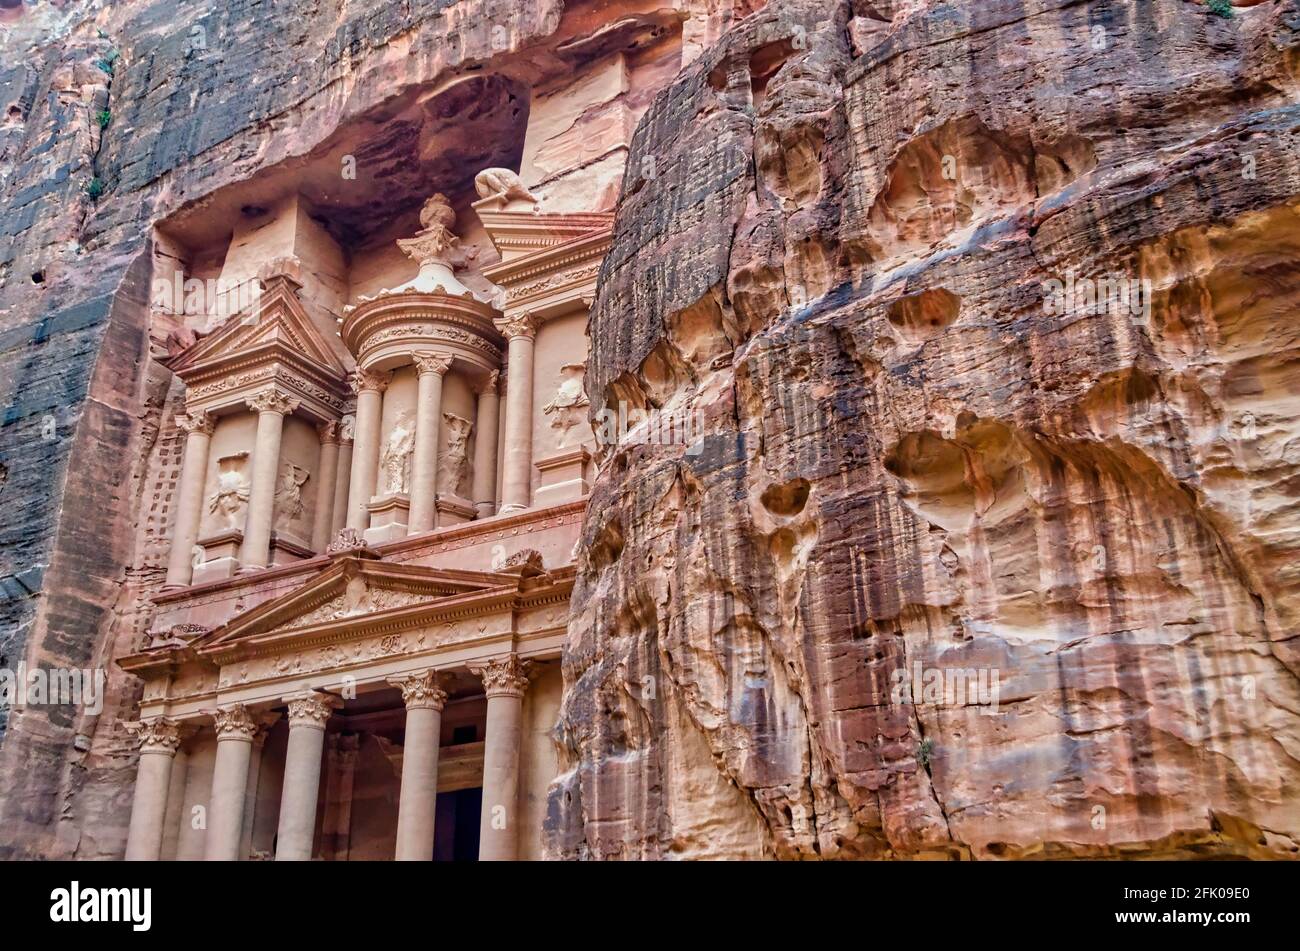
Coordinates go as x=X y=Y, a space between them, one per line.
x=159 y=740
x=326 y=474
x=369 y=388
x=189 y=497
x=250 y=793
x=428 y=423
x=485 y=448
x=271 y=408
x=308 y=714
x=343 y=477
x=417 y=806
x=340 y=772
x=175 y=814
x=235 y=727
x=516 y=488
x=504 y=681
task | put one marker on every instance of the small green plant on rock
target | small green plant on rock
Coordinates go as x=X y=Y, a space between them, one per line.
x=95 y=188
x=1220 y=8
x=103 y=117
x=924 y=751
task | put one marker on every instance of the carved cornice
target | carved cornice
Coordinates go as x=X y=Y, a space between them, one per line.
x=272 y=401
x=363 y=380
x=523 y=324
x=421 y=691
x=197 y=422
x=505 y=676
x=235 y=722
x=311 y=710
x=158 y=735
x=432 y=363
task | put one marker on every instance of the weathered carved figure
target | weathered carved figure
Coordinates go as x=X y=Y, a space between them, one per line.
x=492 y=182
x=288 y=493
x=567 y=408
x=453 y=464
x=395 y=461
x=230 y=499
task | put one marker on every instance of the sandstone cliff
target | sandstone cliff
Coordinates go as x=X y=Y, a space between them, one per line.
x=836 y=249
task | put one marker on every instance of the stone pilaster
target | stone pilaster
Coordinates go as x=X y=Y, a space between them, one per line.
x=326 y=474
x=198 y=429
x=236 y=727
x=428 y=422
x=485 y=448
x=271 y=407
x=342 y=478
x=516 y=487
x=369 y=388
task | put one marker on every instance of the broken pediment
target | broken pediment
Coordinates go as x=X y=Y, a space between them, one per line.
x=277 y=323
x=357 y=592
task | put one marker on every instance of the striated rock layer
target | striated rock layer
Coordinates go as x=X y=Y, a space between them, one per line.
x=835 y=254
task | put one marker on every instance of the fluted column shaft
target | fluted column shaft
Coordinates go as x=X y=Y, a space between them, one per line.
x=504 y=680
x=485 y=448
x=326 y=473
x=159 y=740
x=424 y=461
x=308 y=715
x=189 y=497
x=417 y=807
x=365 y=450
x=271 y=408
x=235 y=727
x=516 y=487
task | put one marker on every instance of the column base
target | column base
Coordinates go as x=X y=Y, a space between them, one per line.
x=564 y=477
x=388 y=519
x=453 y=510
x=220 y=556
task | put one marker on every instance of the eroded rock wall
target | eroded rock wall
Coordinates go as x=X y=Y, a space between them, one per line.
x=835 y=251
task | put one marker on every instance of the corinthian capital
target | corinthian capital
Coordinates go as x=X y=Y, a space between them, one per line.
x=519 y=325
x=328 y=433
x=197 y=423
x=432 y=363
x=272 y=401
x=311 y=709
x=369 y=380
x=159 y=735
x=489 y=385
x=421 y=691
x=235 y=722
x=505 y=676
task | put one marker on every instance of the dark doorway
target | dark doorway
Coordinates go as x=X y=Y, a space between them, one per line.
x=455 y=837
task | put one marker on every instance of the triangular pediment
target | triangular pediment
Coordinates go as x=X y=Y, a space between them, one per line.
x=355 y=591
x=277 y=321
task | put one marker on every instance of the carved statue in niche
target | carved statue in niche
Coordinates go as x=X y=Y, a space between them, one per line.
x=568 y=407
x=356 y=599
x=230 y=500
x=453 y=462
x=288 y=494
x=493 y=182
x=395 y=461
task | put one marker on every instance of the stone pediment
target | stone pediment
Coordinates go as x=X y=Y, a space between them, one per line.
x=354 y=595
x=277 y=324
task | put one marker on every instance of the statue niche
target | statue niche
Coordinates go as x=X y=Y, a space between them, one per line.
x=229 y=503
x=453 y=462
x=395 y=460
